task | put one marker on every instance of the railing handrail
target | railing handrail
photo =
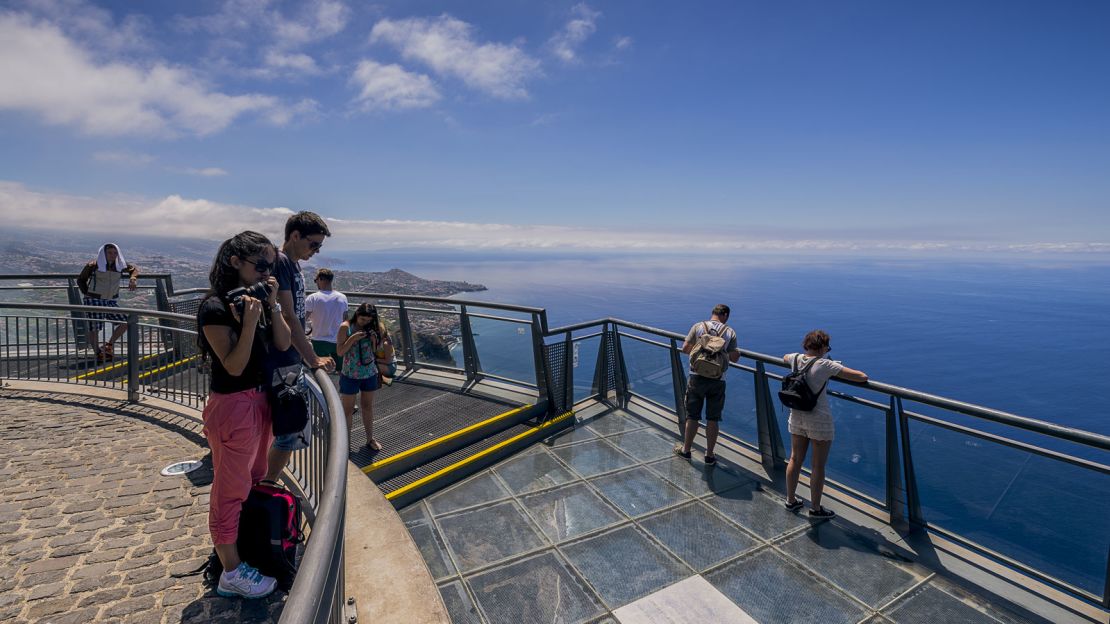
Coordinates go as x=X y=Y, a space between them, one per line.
x=69 y=307
x=320 y=566
x=1069 y=434
x=468 y=302
x=15 y=276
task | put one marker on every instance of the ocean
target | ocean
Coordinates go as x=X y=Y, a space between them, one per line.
x=1023 y=335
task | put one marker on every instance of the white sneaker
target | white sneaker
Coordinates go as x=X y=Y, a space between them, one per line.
x=245 y=581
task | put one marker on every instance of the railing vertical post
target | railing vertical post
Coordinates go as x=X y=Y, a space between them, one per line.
x=408 y=350
x=170 y=340
x=79 y=324
x=568 y=371
x=132 y=357
x=913 y=501
x=470 y=348
x=623 y=394
x=678 y=381
x=601 y=368
x=771 y=448
x=542 y=384
x=895 y=492
x=1106 y=587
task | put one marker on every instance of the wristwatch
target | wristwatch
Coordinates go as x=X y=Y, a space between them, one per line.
x=277 y=307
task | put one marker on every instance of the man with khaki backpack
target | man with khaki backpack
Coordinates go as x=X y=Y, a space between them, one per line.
x=711 y=346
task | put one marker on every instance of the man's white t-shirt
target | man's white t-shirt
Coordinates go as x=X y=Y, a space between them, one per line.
x=325 y=310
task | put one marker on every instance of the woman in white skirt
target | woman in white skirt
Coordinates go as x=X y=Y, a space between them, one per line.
x=815 y=425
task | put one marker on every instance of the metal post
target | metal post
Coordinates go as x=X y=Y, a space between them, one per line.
x=771 y=448
x=913 y=501
x=470 y=348
x=408 y=350
x=895 y=493
x=80 y=327
x=543 y=386
x=623 y=395
x=1106 y=587
x=678 y=381
x=601 y=368
x=568 y=372
x=133 y=357
x=170 y=339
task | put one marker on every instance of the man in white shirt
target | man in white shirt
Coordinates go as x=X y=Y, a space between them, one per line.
x=326 y=310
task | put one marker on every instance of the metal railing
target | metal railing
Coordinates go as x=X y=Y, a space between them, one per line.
x=479 y=340
x=906 y=473
x=159 y=359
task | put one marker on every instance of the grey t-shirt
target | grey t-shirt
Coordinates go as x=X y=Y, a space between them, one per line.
x=818 y=374
x=715 y=326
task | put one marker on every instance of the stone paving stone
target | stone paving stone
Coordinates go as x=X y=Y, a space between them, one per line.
x=89 y=529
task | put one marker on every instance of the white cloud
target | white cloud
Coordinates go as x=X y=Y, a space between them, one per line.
x=448 y=46
x=390 y=87
x=314 y=22
x=172 y=216
x=179 y=217
x=130 y=159
x=583 y=23
x=286 y=34
x=92 y=25
x=622 y=42
x=207 y=172
x=45 y=73
x=296 y=62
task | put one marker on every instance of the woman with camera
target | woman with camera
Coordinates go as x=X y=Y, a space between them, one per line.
x=361 y=341
x=239 y=323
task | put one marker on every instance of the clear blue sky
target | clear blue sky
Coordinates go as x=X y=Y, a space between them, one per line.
x=872 y=120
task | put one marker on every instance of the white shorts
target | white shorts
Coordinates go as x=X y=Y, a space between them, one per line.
x=809 y=425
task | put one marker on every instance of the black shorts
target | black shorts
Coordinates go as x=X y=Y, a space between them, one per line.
x=711 y=392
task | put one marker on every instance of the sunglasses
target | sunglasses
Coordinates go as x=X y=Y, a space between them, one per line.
x=315 y=245
x=262 y=266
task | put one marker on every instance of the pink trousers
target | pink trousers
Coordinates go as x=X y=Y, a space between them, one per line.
x=238 y=430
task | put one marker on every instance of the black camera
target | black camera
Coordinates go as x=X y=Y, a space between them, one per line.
x=260 y=291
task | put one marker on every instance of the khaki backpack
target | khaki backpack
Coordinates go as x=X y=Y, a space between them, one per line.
x=709 y=357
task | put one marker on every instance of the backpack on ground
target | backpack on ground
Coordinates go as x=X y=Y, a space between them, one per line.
x=709 y=357
x=269 y=532
x=796 y=393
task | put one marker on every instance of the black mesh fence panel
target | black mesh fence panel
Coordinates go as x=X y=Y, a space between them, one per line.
x=556 y=358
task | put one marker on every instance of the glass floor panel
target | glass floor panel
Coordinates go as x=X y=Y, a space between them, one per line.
x=602 y=517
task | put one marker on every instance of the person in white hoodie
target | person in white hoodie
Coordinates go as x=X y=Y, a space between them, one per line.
x=99 y=283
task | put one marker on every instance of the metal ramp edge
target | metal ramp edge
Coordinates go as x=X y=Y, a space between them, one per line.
x=439 y=473
x=389 y=467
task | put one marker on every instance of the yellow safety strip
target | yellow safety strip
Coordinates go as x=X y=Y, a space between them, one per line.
x=473 y=458
x=169 y=366
x=447 y=438
x=98 y=371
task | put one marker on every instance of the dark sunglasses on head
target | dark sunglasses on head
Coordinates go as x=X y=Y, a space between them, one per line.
x=262 y=265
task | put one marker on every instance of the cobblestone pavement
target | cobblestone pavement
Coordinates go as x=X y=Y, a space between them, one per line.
x=89 y=529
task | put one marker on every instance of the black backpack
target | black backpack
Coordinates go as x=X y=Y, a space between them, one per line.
x=269 y=533
x=795 y=392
